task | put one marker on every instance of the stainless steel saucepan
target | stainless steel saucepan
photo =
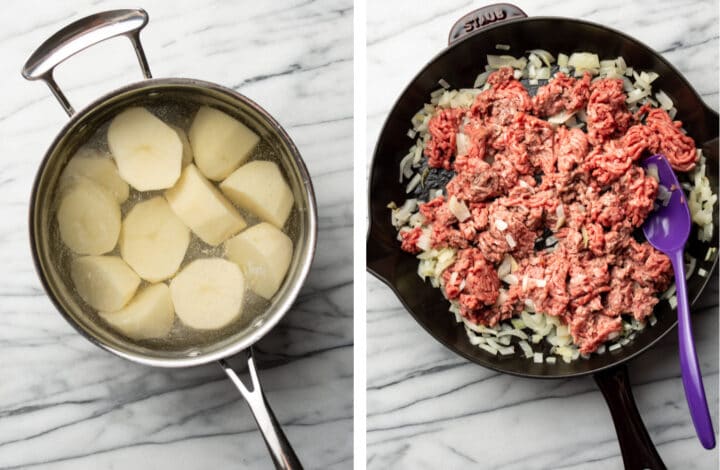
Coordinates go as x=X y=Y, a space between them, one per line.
x=83 y=124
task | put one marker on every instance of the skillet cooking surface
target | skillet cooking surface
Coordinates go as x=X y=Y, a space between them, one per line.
x=459 y=65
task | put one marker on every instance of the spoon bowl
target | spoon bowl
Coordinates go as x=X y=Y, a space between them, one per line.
x=668 y=227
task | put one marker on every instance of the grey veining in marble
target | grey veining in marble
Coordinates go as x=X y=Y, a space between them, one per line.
x=65 y=403
x=428 y=408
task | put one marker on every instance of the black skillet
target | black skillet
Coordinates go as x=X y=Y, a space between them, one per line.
x=471 y=38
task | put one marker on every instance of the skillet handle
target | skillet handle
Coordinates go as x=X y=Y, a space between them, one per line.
x=482 y=17
x=638 y=450
x=282 y=453
x=80 y=35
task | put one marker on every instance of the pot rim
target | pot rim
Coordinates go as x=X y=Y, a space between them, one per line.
x=304 y=263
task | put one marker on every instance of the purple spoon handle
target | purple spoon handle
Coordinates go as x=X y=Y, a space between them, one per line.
x=689 y=366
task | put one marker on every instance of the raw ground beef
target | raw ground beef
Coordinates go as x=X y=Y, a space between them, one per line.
x=678 y=147
x=441 y=148
x=562 y=93
x=607 y=113
x=522 y=179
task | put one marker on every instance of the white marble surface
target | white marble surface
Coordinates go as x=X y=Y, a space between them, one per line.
x=66 y=404
x=428 y=408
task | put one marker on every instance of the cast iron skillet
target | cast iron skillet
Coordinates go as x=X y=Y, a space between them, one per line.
x=471 y=38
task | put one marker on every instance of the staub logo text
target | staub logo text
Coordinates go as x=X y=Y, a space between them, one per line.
x=485 y=18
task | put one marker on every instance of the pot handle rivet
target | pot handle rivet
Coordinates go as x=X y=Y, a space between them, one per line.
x=80 y=35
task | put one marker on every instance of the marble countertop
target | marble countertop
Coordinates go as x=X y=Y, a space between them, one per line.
x=427 y=407
x=65 y=403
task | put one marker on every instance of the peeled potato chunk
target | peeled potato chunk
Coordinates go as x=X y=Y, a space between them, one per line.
x=208 y=293
x=147 y=151
x=203 y=208
x=104 y=282
x=88 y=218
x=91 y=164
x=149 y=315
x=259 y=187
x=153 y=240
x=263 y=252
x=187 y=156
x=219 y=142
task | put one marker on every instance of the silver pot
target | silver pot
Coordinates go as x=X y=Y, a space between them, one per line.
x=84 y=123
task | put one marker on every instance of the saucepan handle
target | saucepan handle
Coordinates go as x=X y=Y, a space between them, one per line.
x=638 y=450
x=482 y=17
x=281 y=451
x=80 y=35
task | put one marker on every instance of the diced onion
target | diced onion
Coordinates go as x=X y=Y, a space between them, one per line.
x=561 y=117
x=527 y=349
x=516 y=333
x=414 y=182
x=481 y=79
x=500 y=61
x=535 y=62
x=423 y=241
x=669 y=292
x=584 y=61
x=505 y=267
x=402 y=215
x=664 y=100
x=406 y=170
x=544 y=55
x=506 y=351
x=489 y=349
x=510 y=241
x=458 y=209
x=479 y=328
x=636 y=95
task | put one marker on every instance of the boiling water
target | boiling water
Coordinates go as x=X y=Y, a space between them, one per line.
x=180 y=338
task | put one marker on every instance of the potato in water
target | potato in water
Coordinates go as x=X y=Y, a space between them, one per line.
x=104 y=282
x=203 y=208
x=89 y=218
x=98 y=168
x=264 y=253
x=208 y=293
x=153 y=240
x=149 y=315
x=147 y=151
x=260 y=188
x=219 y=142
x=187 y=155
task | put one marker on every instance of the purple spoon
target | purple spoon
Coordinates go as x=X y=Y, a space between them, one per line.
x=667 y=228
